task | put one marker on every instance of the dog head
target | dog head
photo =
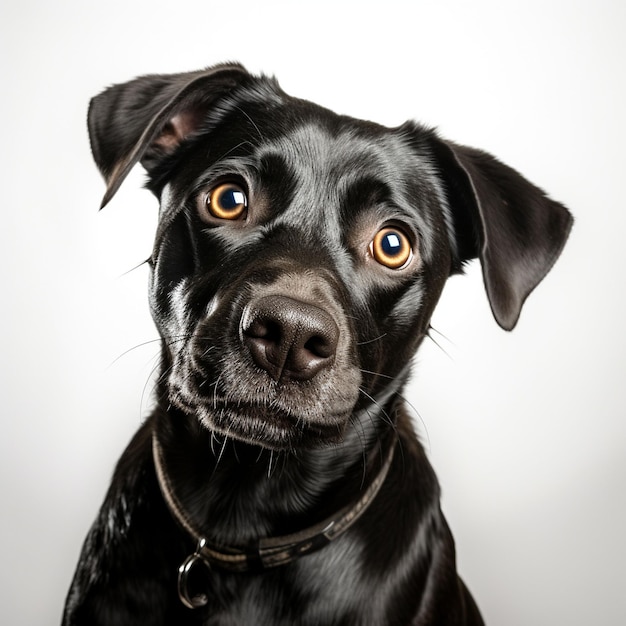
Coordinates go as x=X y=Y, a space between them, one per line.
x=300 y=253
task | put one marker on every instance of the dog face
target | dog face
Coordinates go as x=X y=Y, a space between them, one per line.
x=320 y=235
x=300 y=253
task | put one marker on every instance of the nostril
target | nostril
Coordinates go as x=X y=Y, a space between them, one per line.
x=265 y=329
x=320 y=347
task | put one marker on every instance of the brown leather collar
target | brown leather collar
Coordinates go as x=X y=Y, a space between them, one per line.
x=269 y=551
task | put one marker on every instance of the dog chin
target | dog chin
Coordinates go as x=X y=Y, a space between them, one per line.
x=271 y=428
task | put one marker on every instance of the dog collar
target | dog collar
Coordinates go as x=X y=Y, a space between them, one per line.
x=270 y=551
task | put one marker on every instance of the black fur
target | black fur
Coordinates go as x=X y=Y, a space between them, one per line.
x=265 y=436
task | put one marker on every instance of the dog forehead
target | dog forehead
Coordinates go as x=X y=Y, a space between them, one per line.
x=326 y=162
x=333 y=155
x=342 y=167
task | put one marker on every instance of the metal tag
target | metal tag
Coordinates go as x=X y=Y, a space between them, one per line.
x=193 y=579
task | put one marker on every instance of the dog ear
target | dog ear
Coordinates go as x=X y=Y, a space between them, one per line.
x=146 y=119
x=506 y=221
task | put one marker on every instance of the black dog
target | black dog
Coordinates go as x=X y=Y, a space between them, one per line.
x=297 y=262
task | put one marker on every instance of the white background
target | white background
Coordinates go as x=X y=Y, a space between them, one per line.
x=526 y=430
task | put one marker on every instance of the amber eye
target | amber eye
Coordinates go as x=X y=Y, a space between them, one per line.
x=227 y=202
x=391 y=248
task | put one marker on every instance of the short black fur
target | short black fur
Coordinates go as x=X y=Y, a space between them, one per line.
x=287 y=338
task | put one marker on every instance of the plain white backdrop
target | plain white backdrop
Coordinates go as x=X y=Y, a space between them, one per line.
x=526 y=430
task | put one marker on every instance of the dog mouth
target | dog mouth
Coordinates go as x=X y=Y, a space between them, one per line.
x=276 y=428
x=256 y=410
x=265 y=424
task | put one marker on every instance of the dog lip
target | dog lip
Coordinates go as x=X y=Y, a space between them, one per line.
x=272 y=427
x=278 y=416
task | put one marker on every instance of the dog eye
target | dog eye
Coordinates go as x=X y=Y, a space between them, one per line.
x=391 y=248
x=227 y=202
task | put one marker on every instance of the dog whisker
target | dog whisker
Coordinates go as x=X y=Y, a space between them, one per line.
x=213 y=441
x=258 y=130
x=136 y=267
x=368 y=341
x=166 y=340
x=269 y=465
x=359 y=430
x=377 y=374
x=155 y=368
x=135 y=347
x=382 y=412
x=221 y=453
x=429 y=335
x=207 y=351
x=260 y=455
x=215 y=384
x=234 y=149
x=418 y=415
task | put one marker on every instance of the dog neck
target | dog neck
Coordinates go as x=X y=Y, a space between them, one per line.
x=233 y=492
x=270 y=552
x=264 y=552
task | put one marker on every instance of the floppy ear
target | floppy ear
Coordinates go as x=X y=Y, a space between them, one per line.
x=147 y=118
x=506 y=221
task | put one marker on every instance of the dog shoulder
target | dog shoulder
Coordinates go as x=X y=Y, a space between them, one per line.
x=127 y=551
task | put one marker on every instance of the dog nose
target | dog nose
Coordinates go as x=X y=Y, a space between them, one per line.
x=288 y=338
